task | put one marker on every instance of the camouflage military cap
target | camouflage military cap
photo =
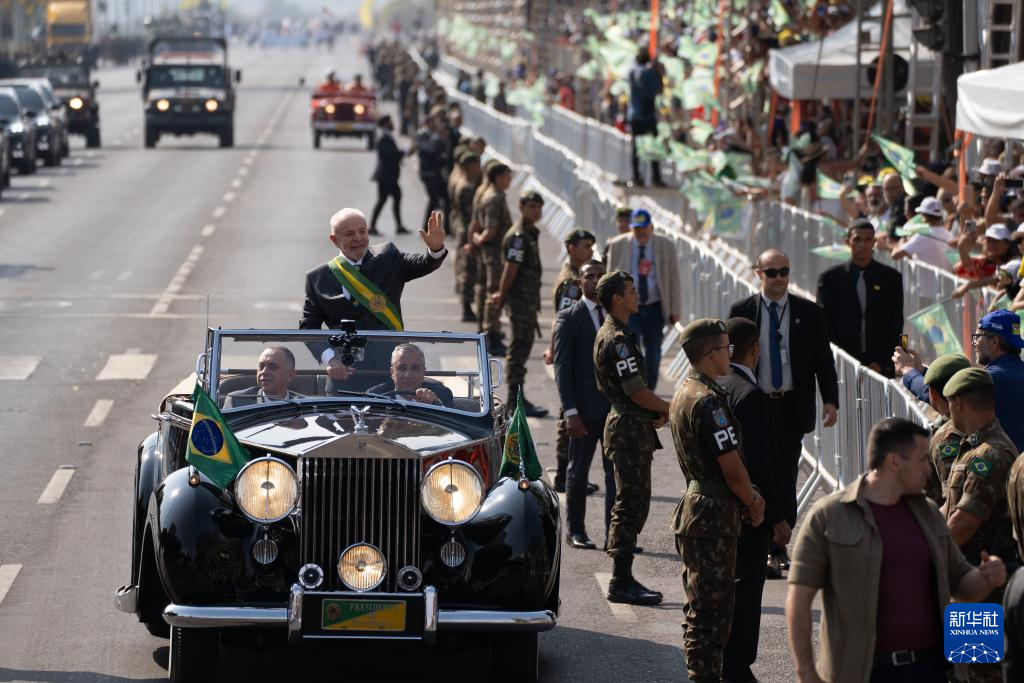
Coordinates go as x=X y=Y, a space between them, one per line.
x=944 y=367
x=531 y=196
x=577 y=236
x=703 y=327
x=623 y=212
x=968 y=379
x=612 y=278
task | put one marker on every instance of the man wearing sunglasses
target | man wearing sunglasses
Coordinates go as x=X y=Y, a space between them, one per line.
x=795 y=355
x=997 y=344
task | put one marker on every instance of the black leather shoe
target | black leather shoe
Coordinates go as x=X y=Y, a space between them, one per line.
x=559 y=486
x=468 y=316
x=497 y=349
x=373 y=231
x=534 y=411
x=636 y=549
x=402 y=230
x=592 y=488
x=631 y=592
x=580 y=541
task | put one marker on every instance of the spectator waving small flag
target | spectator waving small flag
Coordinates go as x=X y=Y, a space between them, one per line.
x=934 y=325
x=519 y=455
x=900 y=157
x=212 y=448
x=828 y=188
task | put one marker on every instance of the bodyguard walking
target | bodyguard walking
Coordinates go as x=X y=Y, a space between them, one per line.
x=718 y=497
x=389 y=167
x=630 y=432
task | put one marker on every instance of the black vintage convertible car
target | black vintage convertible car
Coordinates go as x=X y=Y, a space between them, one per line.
x=366 y=510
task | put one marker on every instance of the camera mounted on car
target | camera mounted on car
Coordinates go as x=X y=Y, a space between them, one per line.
x=349 y=346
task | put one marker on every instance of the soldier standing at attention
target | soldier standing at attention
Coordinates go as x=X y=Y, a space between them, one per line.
x=977 y=511
x=579 y=247
x=462 y=217
x=470 y=250
x=630 y=431
x=495 y=220
x=718 y=497
x=519 y=286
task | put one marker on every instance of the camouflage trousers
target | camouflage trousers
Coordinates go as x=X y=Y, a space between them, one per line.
x=524 y=329
x=632 y=498
x=709 y=568
x=465 y=271
x=488 y=275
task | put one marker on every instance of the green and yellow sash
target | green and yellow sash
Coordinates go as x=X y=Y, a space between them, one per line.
x=366 y=293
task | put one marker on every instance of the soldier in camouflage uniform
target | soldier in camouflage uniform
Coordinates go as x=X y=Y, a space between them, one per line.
x=945 y=440
x=462 y=217
x=495 y=220
x=630 y=431
x=579 y=248
x=470 y=249
x=519 y=288
x=977 y=510
x=718 y=496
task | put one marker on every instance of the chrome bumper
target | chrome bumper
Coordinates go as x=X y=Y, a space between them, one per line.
x=467 y=621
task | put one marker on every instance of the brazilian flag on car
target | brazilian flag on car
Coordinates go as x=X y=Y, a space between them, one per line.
x=212 y=448
x=519 y=455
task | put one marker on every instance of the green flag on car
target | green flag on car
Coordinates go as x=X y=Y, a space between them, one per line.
x=519 y=455
x=934 y=325
x=212 y=448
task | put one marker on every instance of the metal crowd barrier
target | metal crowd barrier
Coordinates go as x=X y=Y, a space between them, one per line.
x=608 y=148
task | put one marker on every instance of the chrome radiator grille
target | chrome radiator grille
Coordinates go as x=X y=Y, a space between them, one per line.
x=360 y=500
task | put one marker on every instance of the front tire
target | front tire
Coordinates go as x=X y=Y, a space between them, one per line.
x=92 y=137
x=150 y=137
x=525 y=667
x=227 y=137
x=193 y=655
x=371 y=141
x=316 y=139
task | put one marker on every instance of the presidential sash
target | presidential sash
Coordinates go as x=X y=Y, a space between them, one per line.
x=366 y=293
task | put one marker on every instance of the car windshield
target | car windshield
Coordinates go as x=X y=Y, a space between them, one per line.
x=60 y=76
x=9 y=109
x=175 y=76
x=30 y=99
x=439 y=371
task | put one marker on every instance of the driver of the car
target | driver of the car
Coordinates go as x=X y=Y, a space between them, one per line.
x=356 y=87
x=331 y=84
x=275 y=370
x=408 y=378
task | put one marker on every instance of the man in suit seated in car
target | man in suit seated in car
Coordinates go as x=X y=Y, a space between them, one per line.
x=275 y=370
x=408 y=378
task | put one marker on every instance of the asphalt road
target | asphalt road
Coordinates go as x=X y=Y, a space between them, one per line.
x=107 y=267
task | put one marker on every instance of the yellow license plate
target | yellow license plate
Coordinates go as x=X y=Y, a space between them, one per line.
x=363 y=615
x=342 y=126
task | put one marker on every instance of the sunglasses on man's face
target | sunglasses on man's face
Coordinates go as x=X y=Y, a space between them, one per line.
x=776 y=272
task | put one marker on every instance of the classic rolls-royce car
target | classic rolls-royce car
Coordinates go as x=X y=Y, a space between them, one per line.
x=368 y=508
x=344 y=114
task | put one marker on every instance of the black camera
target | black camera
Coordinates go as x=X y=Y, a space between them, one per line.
x=349 y=346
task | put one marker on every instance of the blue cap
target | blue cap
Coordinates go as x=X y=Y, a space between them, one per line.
x=640 y=219
x=1004 y=323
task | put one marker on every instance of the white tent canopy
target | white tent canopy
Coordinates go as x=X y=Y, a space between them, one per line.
x=991 y=102
x=792 y=69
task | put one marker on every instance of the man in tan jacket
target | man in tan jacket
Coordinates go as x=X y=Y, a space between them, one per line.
x=652 y=261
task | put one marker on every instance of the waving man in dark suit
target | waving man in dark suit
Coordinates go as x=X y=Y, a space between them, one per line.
x=364 y=285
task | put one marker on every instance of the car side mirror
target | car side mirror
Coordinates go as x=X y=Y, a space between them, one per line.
x=238 y=75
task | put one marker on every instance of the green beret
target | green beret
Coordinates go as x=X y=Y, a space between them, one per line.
x=577 y=236
x=943 y=368
x=703 y=327
x=531 y=196
x=612 y=278
x=623 y=212
x=968 y=379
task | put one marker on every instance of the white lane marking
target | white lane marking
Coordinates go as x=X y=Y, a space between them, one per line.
x=243 y=171
x=55 y=489
x=164 y=302
x=219 y=212
x=124 y=275
x=621 y=611
x=132 y=366
x=8 y=572
x=18 y=367
x=133 y=351
x=45 y=182
x=278 y=306
x=236 y=183
x=208 y=230
x=3 y=211
x=99 y=412
x=229 y=196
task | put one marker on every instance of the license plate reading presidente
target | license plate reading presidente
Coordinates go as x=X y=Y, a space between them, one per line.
x=363 y=615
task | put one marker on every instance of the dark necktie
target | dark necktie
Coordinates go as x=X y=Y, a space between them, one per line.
x=642 y=276
x=862 y=299
x=600 y=315
x=775 y=351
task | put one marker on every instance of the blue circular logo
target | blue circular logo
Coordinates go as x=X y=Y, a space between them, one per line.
x=935 y=335
x=207 y=437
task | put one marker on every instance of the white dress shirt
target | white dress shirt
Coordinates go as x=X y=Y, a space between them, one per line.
x=764 y=366
x=745 y=371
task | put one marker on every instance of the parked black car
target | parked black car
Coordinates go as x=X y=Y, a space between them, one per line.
x=19 y=132
x=48 y=114
x=71 y=84
x=360 y=514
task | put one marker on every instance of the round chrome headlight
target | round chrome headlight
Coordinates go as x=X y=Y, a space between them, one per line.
x=266 y=490
x=359 y=109
x=76 y=103
x=452 y=492
x=329 y=108
x=211 y=105
x=163 y=105
x=361 y=567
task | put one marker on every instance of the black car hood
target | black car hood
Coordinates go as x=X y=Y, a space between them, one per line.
x=333 y=430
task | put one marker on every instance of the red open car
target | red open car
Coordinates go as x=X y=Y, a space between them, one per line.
x=344 y=114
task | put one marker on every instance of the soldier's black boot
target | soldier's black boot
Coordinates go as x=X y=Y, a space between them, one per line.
x=467 y=314
x=495 y=346
x=533 y=410
x=624 y=588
